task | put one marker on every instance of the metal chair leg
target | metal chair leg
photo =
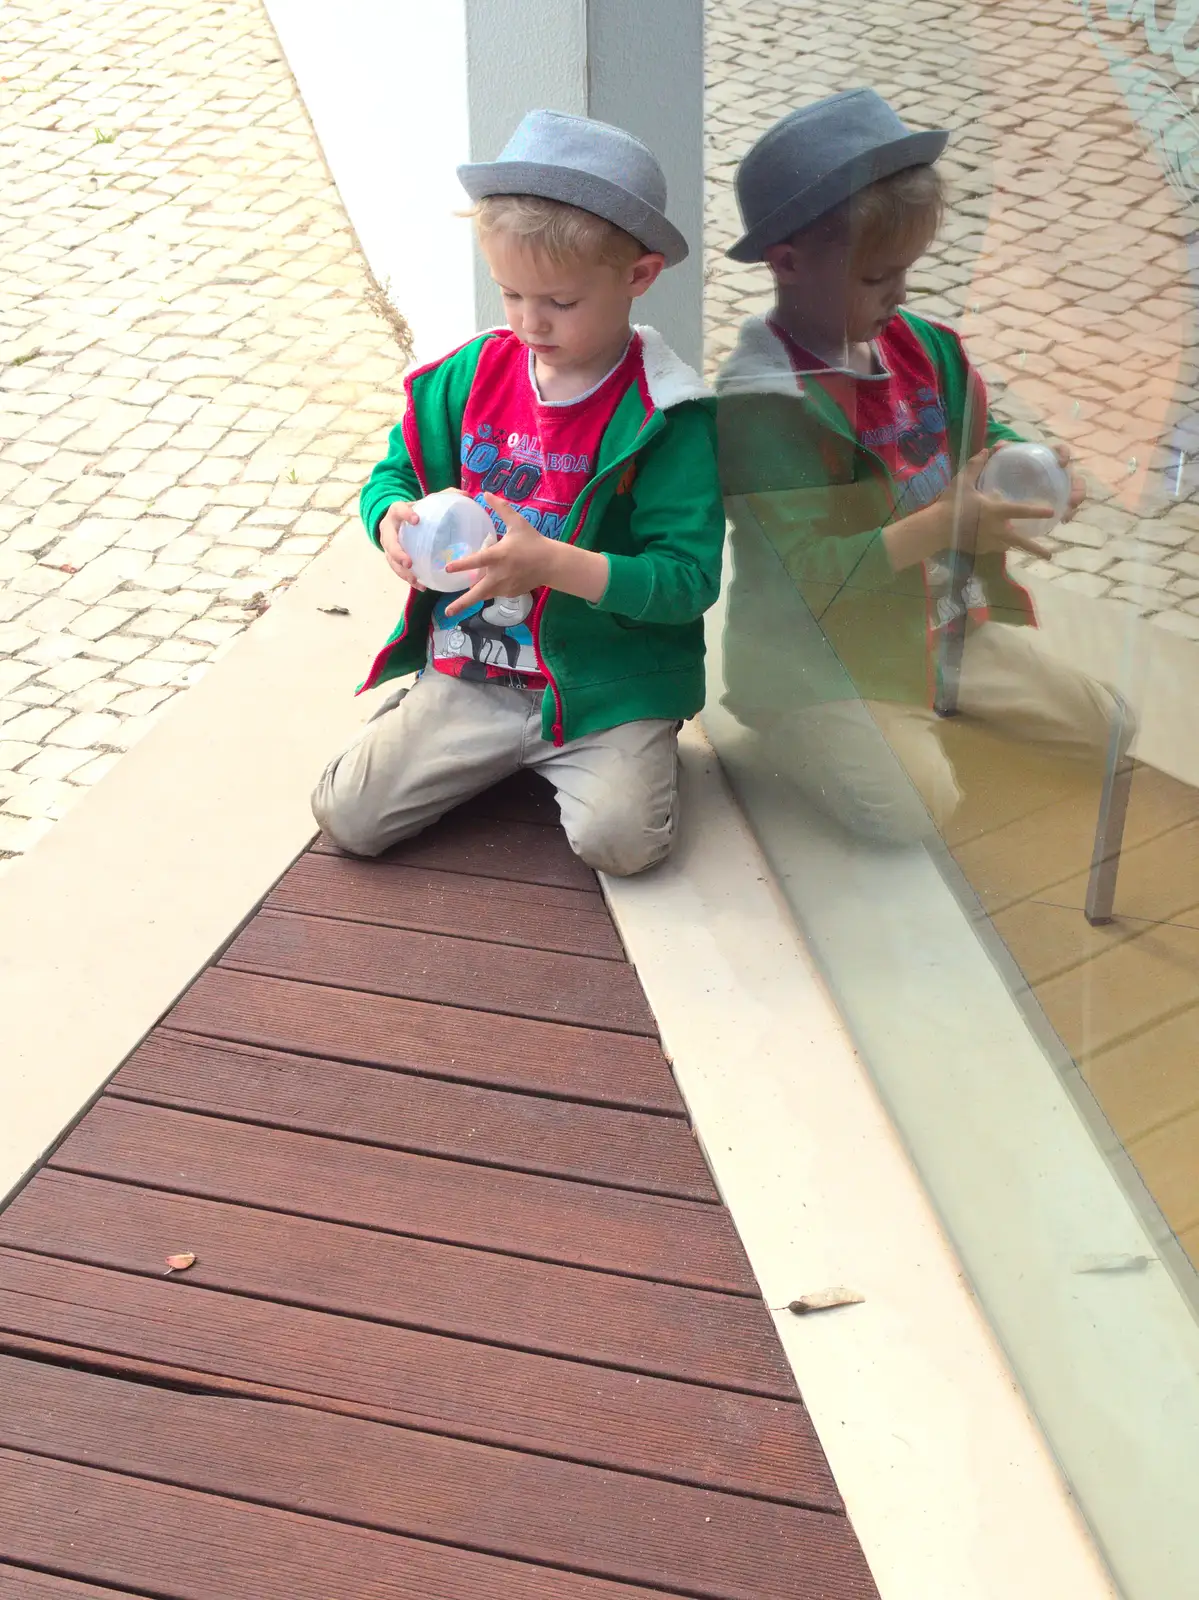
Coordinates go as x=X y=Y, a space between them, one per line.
x=1109 y=832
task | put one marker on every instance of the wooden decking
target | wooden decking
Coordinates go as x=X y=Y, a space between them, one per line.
x=1123 y=998
x=467 y=1317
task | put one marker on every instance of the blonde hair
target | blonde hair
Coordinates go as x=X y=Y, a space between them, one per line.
x=562 y=234
x=898 y=213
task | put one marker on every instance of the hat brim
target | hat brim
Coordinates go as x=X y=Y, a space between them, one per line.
x=913 y=150
x=572 y=187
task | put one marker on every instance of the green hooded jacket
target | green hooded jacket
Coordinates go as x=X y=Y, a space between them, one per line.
x=809 y=503
x=653 y=507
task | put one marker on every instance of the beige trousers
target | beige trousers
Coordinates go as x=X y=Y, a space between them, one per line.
x=880 y=768
x=430 y=747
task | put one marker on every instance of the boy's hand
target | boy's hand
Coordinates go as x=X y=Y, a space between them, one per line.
x=965 y=518
x=391 y=525
x=525 y=559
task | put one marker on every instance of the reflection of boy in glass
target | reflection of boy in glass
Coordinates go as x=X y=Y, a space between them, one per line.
x=852 y=436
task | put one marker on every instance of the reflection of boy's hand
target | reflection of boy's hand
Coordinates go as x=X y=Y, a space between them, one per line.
x=1078 y=489
x=985 y=524
x=391 y=539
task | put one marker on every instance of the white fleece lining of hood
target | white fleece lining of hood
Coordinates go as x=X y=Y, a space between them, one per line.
x=668 y=377
x=759 y=364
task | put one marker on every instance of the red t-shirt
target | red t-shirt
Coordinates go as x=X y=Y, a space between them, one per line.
x=898 y=414
x=538 y=455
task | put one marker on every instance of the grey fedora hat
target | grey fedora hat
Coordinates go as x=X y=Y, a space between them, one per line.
x=586 y=164
x=818 y=156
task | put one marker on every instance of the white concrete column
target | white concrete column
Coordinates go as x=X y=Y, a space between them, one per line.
x=401 y=91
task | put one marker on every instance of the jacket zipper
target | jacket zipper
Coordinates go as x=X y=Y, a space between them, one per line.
x=622 y=461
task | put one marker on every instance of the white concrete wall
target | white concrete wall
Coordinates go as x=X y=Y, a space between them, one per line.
x=647 y=75
x=400 y=92
x=385 y=85
x=520 y=55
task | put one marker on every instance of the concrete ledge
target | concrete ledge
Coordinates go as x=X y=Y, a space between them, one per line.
x=113 y=913
x=950 y=1485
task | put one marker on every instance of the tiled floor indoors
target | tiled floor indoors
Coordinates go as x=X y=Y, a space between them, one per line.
x=1123 y=998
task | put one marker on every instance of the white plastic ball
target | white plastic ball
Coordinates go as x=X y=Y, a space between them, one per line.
x=452 y=527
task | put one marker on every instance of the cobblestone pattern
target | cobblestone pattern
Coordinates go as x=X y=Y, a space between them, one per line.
x=1064 y=259
x=192 y=382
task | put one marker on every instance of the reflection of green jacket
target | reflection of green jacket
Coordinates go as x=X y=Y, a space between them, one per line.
x=808 y=504
x=652 y=507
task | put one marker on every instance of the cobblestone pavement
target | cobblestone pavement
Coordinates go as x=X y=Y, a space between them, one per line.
x=192 y=382
x=1064 y=261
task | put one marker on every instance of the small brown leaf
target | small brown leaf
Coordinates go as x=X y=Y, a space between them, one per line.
x=180 y=1263
x=334 y=611
x=825 y=1300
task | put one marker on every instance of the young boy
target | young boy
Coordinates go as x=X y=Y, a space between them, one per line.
x=577 y=650
x=870 y=582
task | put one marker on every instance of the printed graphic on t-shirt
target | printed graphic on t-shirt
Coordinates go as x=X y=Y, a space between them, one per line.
x=539 y=457
x=898 y=414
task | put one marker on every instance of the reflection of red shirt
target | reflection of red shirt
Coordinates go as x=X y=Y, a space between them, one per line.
x=538 y=455
x=896 y=412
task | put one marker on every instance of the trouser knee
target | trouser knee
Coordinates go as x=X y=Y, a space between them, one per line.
x=620 y=845
x=343 y=818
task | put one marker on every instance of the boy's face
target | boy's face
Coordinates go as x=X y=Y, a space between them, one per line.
x=569 y=316
x=843 y=295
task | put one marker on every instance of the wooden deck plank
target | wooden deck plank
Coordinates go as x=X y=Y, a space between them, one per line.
x=181 y=1545
x=491 y=847
x=430 y=1116
x=601 y=1416
x=549 y=1219
x=620 y=1527
x=689 y=1334
x=524 y=797
x=580 y=990
x=23 y=1583
x=472 y=1047
x=529 y=915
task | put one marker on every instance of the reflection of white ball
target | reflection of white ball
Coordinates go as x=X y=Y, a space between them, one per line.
x=1031 y=473
x=452 y=527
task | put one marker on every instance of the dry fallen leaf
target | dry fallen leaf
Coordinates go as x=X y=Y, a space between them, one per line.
x=825 y=1300
x=180 y=1263
x=334 y=611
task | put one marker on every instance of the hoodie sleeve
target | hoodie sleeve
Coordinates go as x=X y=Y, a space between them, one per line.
x=677 y=526
x=394 y=478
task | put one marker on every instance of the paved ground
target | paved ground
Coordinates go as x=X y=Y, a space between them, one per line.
x=1064 y=260
x=192 y=382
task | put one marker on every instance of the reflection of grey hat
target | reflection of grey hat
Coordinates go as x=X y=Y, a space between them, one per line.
x=586 y=164
x=818 y=156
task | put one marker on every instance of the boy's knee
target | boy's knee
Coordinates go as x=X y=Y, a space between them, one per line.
x=619 y=841
x=346 y=823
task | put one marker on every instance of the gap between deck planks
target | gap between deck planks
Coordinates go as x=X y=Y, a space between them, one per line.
x=467 y=1315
